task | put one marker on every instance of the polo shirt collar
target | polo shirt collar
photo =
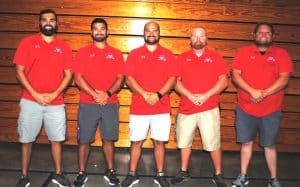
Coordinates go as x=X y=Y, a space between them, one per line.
x=255 y=49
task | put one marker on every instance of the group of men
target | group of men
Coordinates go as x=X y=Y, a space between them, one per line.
x=45 y=66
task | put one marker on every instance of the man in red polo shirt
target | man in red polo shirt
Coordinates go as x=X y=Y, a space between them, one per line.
x=43 y=68
x=98 y=74
x=261 y=72
x=202 y=77
x=151 y=74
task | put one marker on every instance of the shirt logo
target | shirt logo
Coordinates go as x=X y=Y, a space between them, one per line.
x=270 y=59
x=37 y=46
x=188 y=60
x=208 y=60
x=110 y=56
x=252 y=57
x=57 y=50
x=161 y=58
x=143 y=57
x=92 y=55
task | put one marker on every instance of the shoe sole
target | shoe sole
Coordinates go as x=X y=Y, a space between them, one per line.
x=134 y=182
x=243 y=185
x=85 y=180
x=177 y=183
x=157 y=182
x=56 y=182
x=112 y=184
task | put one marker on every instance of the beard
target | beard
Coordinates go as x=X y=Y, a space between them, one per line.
x=263 y=44
x=198 y=45
x=151 y=42
x=48 y=30
x=99 y=37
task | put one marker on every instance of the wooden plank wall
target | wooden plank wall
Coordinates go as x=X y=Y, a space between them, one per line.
x=229 y=24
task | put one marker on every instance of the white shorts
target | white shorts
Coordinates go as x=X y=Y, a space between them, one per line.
x=159 y=126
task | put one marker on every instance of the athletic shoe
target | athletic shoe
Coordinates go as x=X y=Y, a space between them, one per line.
x=180 y=177
x=111 y=178
x=241 y=181
x=219 y=181
x=130 y=180
x=161 y=180
x=274 y=183
x=81 y=179
x=60 y=180
x=23 y=182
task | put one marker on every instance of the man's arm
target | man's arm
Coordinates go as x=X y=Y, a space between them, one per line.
x=183 y=91
x=64 y=83
x=135 y=87
x=256 y=94
x=278 y=84
x=21 y=76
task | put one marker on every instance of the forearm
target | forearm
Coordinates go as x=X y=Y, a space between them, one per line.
x=116 y=86
x=24 y=80
x=240 y=82
x=278 y=84
x=134 y=86
x=83 y=85
x=181 y=89
x=170 y=83
x=219 y=86
x=64 y=83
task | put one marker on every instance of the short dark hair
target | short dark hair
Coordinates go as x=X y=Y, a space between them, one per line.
x=264 y=23
x=46 y=11
x=98 y=20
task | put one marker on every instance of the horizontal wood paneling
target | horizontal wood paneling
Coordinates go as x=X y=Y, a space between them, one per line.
x=229 y=25
x=127 y=43
x=214 y=12
x=134 y=26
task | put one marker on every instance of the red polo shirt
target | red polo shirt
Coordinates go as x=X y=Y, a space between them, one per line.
x=151 y=70
x=198 y=75
x=44 y=64
x=99 y=68
x=260 y=71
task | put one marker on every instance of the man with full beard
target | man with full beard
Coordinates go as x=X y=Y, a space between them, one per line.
x=151 y=74
x=203 y=75
x=43 y=64
x=261 y=72
x=98 y=74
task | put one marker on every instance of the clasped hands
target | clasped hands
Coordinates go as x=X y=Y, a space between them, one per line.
x=100 y=97
x=44 y=98
x=257 y=96
x=198 y=99
x=150 y=97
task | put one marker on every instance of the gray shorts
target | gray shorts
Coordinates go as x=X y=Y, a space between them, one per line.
x=92 y=115
x=33 y=115
x=247 y=127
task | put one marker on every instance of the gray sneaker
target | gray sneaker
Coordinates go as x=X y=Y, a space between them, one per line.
x=180 y=177
x=23 y=182
x=274 y=183
x=60 y=180
x=241 y=181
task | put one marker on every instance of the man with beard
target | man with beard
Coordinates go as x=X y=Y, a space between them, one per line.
x=43 y=64
x=261 y=72
x=203 y=75
x=151 y=74
x=98 y=74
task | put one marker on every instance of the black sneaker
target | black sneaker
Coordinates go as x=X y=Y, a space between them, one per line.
x=81 y=179
x=130 y=180
x=180 y=177
x=111 y=178
x=161 y=180
x=23 y=182
x=219 y=181
x=60 y=180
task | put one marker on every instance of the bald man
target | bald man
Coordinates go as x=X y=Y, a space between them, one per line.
x=150 y=73
x=203 y=75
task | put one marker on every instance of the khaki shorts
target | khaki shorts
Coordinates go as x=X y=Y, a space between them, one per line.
x=208 y=123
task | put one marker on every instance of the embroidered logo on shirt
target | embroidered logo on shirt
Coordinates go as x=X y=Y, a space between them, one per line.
x=143 y=57
x=37 y=46
x=57 y=50
x=92 y=55
x=270 y=59
x=161 y=58
x=252 y=57
x=208 y=60
x=110 y=56
x=188 y=60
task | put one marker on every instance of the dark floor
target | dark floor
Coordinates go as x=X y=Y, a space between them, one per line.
x=200 y=167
